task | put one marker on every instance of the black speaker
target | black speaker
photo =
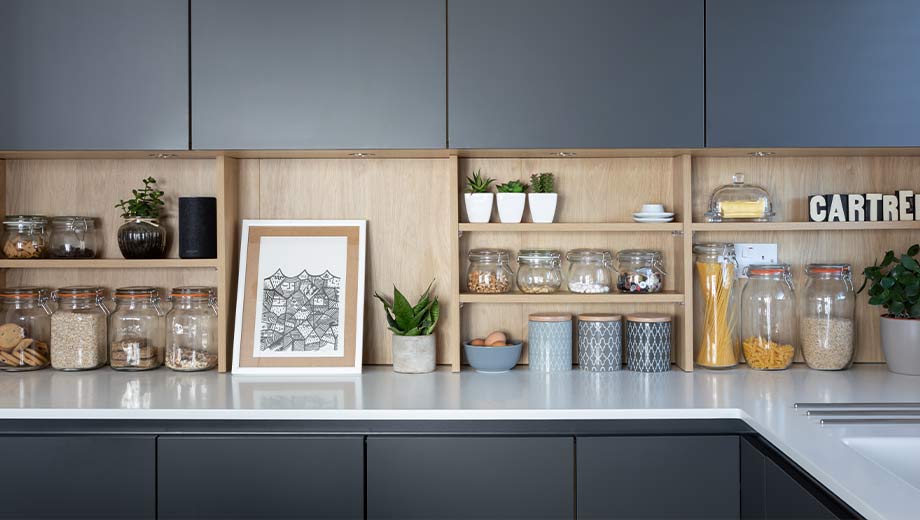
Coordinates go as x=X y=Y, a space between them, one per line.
x=197 y=227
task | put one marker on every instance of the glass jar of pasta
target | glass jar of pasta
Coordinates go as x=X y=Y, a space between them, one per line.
x=715 y=268
x=768 y=319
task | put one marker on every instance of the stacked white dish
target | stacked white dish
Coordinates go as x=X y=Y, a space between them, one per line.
x=653 y=213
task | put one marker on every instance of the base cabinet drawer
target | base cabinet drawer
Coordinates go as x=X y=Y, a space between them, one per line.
x=658 y=477
x=78 y=477
x=260 y=477
x=472 y=477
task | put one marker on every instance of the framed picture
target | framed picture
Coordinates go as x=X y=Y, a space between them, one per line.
x=300 y=300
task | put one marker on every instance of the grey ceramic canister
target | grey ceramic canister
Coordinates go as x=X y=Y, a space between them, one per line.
x=549 y=336
x=648 y=340
x=600 y=342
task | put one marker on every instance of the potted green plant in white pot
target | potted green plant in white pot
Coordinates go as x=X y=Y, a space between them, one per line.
x=414 y=345
x=478 y=198
x=542 y=198
x=894 y=284
x=510 y=199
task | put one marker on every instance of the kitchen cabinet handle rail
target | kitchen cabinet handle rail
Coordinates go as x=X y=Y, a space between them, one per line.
x=856 y=405
x=838 y=413
x=843 y=422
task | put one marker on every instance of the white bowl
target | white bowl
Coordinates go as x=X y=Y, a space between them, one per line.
x=652 y=208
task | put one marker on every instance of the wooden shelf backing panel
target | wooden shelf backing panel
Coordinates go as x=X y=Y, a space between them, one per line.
x=804 y=226
x=111 y=263
x=227 y=176
x=163 y=279
x=589 y=227
x=406 y=203
x=567 y=297
x=92 y=187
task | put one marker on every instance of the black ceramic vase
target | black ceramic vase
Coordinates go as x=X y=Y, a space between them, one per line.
x=142 y=238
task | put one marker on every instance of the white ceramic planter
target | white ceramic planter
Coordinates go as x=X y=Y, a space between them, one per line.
x=478 y=207
x=510 y=207
x=414 y=354
x=901 y=345
x=542 y=207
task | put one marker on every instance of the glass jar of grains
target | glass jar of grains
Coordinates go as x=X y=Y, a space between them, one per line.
x=25 y=236
x=489 y=271
x=589 y=270
x=539 y=271
x=137 y=331
x=191 y=329
x=73 y=237
x=79 y=332
x=25 y=328
x=828 y=317
x=639 y=271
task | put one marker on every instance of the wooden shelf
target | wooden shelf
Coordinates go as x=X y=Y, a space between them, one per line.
x=583 y=227
x=110 y=263
x=805 y=226
x=567 y=297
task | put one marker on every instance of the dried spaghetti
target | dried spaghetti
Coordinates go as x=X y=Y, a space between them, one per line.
x=718 y=348
x=762 y=354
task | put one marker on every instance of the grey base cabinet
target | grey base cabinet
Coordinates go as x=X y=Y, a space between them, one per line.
x=92 y=477
x=260 y=477
x=658 y=477
x=470 y=477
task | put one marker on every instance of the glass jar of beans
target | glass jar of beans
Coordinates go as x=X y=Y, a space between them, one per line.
x=489 y=271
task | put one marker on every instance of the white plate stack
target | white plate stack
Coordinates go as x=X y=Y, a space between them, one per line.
x=653 y=213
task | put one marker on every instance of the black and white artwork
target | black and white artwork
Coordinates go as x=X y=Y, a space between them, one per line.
x=300 y=313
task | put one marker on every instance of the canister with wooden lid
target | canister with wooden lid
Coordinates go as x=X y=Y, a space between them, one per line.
x=600 y=342
x=648 y=341
x=549 y=337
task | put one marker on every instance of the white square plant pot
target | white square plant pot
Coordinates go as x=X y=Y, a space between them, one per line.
x=510 y=207
x=478 y=207
x=542 y=207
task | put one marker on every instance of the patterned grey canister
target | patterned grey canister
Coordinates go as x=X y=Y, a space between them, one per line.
x=549 y=336
x=600 y=342
x=648 y=340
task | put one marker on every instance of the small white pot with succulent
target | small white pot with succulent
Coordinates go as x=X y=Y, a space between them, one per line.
x=542 y=198
x=478 y=199
x=510 y=199
x=414 y=345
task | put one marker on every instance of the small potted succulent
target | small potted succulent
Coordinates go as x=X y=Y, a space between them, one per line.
x=478 y=199
x=414 y=345
x=510 y=199
x=542 y=198
x=894 y=284
x=142 y=236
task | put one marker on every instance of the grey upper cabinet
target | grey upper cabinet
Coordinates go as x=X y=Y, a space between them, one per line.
x=816 y=73
x=575 y=73
x=318 y=74
x=94 y=74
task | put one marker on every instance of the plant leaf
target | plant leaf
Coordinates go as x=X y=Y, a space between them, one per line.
x=915 y=310
x=405 y=318
x=896 y=307
x=909 y=263
x=879 y=299
x=887 y=282
x=435 y=314
x=913 y=250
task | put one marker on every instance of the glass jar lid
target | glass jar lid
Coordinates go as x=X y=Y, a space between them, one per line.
x=714 y=248
x=639 y=255
x=136 y=293
x=74 y=223
x=528 y=256
x=193 y=292
x=23 y=293
x=739 y=201
x=489 y=256
x=79 y=292
x=828 y=270
x=589 y=256
x=25 y=220
x=767 y=271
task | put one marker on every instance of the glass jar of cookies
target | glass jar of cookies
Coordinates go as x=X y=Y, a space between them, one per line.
x=25 y=236
x=137 y=329
x=79 y=329
x=191 y=329
x=25 y=328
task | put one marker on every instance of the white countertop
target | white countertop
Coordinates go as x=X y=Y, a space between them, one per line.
x=764 y=400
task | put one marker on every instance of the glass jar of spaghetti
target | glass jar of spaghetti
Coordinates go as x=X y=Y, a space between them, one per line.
x=715 y=268
x=768 y=319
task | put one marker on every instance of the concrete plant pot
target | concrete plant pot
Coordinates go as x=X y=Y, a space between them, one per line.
x=542 y=207
x=510 y=207
x=478 y=207
x=414 y=354
x=901 y=344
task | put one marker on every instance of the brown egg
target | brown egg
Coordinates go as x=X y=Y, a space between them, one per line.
x=498 y=344
x=478 y=342
x=496 y=336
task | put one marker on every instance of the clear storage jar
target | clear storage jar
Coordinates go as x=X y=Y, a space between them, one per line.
x=25 y=329
x=589 y=270
x=73 y=237
x=539 y=271
x=715 y=269
x=79 y=329
x=137 y=330
x=489 y=271
x=640 y=271
x=827 y=328
x=25 y=236
x=191 y=329
x=768 y=317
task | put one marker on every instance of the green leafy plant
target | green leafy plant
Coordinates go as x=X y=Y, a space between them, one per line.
x=411 y=320
x=542 y=183
x=512 y=187
x=895 y=283
x=146 y=202
x=477 y=183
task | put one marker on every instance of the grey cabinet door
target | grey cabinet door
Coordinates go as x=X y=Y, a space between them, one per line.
x=78 y=477
x=575 y=73
x=94 y=75
x=327 y=74
x=470 y=477
x=658 y=477
x=786 y=498
x=260 y=477
x=789 y=73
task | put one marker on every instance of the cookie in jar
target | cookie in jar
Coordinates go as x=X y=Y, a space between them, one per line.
x=25 y=328
x=25 y=237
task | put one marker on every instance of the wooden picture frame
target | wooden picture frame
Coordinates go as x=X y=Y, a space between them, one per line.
x=300 y=297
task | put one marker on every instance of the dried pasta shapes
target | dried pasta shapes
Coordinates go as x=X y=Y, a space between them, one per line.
x=761 y=354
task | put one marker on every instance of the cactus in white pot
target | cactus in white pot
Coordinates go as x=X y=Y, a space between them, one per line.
x=542 y=198
x=478 y=198
x=510 y=199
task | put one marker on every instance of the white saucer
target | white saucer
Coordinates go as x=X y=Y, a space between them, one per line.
x=658 y=219
x=653 y=215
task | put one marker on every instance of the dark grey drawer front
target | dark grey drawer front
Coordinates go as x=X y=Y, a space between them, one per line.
x=474 y=477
